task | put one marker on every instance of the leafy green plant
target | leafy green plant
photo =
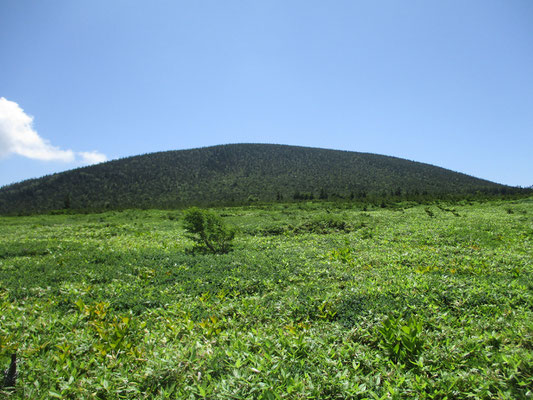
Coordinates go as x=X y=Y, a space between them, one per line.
x=343 y=254
x=401 y=338
x=326 y=311
x=208 y=230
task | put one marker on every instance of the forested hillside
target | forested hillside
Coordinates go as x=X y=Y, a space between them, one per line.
x=236 y=173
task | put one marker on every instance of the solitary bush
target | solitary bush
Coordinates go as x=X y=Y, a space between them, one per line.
x=208 y=230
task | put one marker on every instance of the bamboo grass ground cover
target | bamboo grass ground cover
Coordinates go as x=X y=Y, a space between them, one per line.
x=316 y=300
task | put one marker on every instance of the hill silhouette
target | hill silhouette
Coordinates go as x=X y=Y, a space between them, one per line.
x=235 y=173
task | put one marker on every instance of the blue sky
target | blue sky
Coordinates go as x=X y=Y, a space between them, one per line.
x=448 y=83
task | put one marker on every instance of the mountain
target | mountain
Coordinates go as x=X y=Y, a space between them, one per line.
x=234 y=173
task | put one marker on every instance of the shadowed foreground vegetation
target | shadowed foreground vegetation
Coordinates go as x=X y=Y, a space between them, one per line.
x=318 y=301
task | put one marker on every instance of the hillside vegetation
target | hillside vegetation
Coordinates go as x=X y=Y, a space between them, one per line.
x=235 y=174
x=315 y=301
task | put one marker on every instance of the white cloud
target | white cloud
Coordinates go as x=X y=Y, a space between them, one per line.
x=92 y=157
x=17 y=136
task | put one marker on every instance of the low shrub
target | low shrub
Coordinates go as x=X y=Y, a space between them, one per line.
x=208 y=230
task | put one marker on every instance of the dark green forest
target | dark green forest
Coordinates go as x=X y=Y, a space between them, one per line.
x=237 y=174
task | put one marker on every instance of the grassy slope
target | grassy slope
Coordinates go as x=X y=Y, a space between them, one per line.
x=112 y=304
x=230 y=174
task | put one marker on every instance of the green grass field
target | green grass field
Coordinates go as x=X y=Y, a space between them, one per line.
x=316 y=300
